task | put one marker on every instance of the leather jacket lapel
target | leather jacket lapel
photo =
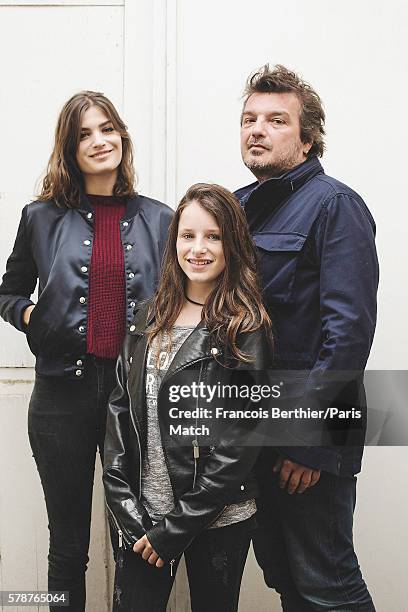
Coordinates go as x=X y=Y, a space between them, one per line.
x=196 y=347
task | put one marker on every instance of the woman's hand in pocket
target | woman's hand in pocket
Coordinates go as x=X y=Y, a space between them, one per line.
x=144 y=548
x=27 y=314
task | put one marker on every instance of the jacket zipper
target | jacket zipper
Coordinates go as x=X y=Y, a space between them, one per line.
x=196 y=448
x=195 y=443
x=132 y=418
x=121 y=535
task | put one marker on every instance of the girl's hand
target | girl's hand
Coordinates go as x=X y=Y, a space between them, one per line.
x=144 y=548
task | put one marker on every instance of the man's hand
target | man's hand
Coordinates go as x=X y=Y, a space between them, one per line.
x=144 y=548
x=296 y=477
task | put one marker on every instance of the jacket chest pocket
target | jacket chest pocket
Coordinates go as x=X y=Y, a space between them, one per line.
x=278 y=255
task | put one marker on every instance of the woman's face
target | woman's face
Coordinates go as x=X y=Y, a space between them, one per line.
x=199 y=246
x=100 y=148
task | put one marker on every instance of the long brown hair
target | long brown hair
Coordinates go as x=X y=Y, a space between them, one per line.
x=63 y=181
x=235 y=304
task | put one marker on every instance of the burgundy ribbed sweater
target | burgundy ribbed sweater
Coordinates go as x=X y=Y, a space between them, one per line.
x=107 y=294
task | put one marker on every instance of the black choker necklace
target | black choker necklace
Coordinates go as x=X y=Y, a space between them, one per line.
x=192 y=301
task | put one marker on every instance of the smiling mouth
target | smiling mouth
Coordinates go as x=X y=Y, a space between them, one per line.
x=200 y=262
x=101 y=153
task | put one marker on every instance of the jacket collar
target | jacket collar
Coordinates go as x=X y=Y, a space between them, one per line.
x=260 y=200
x=197 y=346
x=133 y=206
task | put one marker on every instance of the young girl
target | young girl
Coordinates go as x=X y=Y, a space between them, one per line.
x=167 y=494
x=95 y=247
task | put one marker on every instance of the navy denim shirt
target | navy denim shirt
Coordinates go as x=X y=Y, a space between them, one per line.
x=319 y=270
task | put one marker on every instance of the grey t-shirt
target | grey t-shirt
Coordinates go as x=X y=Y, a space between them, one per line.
x=157 y=493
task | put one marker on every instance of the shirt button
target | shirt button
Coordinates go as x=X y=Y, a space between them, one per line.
x=242 y=488
x=214 y=351
x=132 y=304
x=129 y=247
x=87 y=242
x=132 y=328
x=82 y=300
x=81 y=328
x=131 y=275
x=89 y=215
x=84 y=269
x=78 y=373
x=125 y=224
x=79 y=362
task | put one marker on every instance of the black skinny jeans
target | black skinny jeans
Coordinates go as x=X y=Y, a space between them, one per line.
x=215 y=563
x=66 y=425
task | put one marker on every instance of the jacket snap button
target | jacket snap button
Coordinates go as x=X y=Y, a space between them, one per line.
x=82 y=300
x=132 y=328
x=79 y=362
x=89 y=215
x=125 y=224
x=87 y=242
x=214 y=351
x=131 y=275
x=78 y=373
x=81 y=328
x=130 y=359
x=129 y=247
x=132 y=304
x=84 y=269
x=242 y=487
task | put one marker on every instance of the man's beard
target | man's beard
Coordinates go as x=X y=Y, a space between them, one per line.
x=284 y=162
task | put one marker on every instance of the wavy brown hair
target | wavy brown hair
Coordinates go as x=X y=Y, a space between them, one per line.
x=281 y=80
x=63 y=181
x=235 y=304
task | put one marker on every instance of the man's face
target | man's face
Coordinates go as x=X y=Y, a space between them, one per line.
x=270 y=134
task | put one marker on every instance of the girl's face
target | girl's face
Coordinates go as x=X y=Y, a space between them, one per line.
x=100 y=148
x=199 y=246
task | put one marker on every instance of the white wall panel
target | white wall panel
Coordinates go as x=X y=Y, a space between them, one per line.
x=56 y=3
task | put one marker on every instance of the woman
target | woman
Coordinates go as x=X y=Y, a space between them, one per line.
x=95 y=247
x=170 y=493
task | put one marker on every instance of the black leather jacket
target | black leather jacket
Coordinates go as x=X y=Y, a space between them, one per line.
x=204 y=480
x=54 y=245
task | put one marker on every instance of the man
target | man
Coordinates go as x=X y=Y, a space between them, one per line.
x=315 y=239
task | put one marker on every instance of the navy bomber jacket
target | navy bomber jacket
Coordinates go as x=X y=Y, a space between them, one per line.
x=319 y=269
x=54 y=245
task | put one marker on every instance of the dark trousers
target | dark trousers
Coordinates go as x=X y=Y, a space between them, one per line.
x=304 y=544
x=66 y=425
x=215 y=563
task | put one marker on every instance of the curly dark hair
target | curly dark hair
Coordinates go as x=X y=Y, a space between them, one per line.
x=281 y=80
